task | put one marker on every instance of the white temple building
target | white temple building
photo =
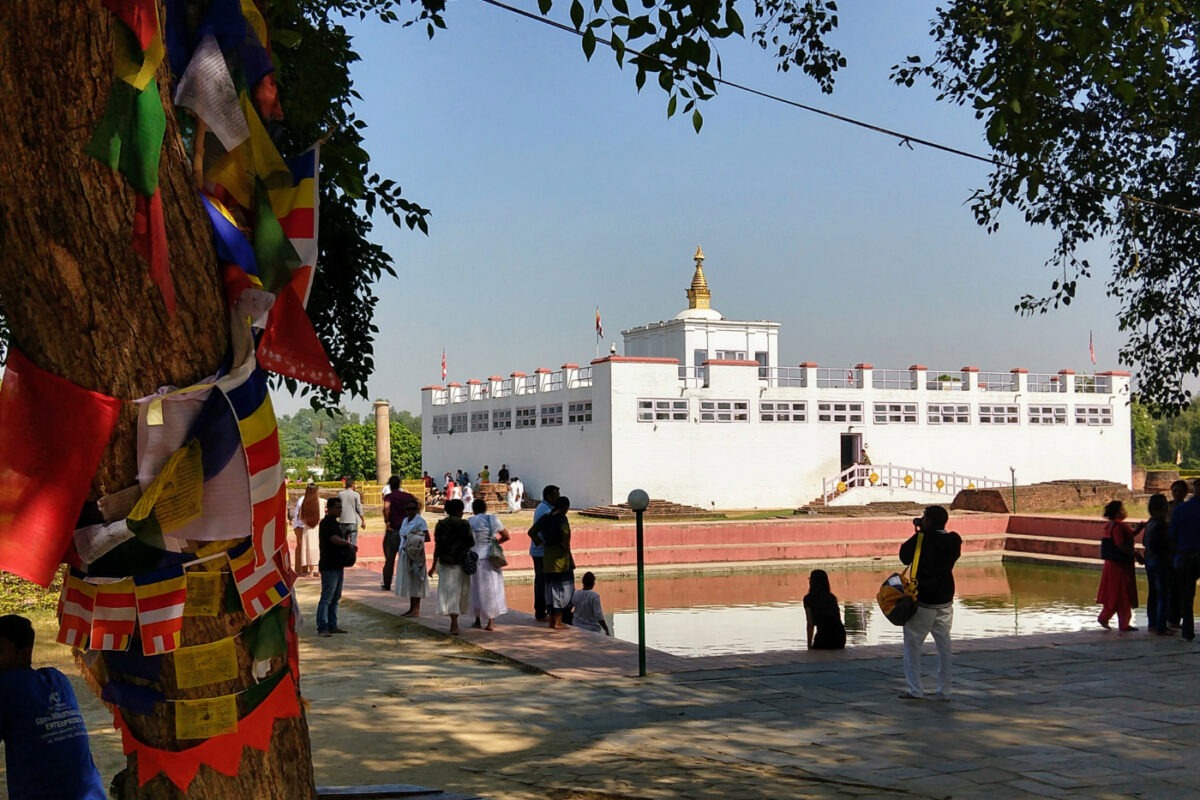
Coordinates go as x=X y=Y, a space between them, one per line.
x=699 y=411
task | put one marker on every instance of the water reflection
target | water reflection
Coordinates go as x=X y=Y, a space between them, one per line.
x=762 y=612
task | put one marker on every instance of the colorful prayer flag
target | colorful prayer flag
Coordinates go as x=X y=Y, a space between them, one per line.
x=261 y=587
x=52 y=435
x=599 y=325
x=161 y=595
x=114 y=616
x=289 y=345
x=75 y=611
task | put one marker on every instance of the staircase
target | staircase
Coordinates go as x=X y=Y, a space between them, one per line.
x=657 y=510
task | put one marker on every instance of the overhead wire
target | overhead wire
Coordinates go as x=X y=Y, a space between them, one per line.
x=903 y=138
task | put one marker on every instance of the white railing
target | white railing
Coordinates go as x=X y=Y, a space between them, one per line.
x=554 y=382
x=439 y=397
x=505 y=388
x=581 y=379
x=526 y=385
x=1045 y=382
x=834 y=378
x=786 y=377
x=915 y=478
x=458 y=394
x=996 y=382
x=894 y=379
x=1093 y=384
x=693 y=377
x=948 y=381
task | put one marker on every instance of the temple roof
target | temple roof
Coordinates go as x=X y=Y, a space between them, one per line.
x=698 y=295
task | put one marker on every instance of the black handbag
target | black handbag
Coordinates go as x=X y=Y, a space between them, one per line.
x=1110 y=552
x=349 y=556
x=470 y=562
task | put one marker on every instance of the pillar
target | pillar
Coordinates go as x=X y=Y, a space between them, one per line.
x=383 y=440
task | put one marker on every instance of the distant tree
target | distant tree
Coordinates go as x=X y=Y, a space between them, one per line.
x=406 y=449
x=408 y=420
x=1145 y=435
x=351 y=452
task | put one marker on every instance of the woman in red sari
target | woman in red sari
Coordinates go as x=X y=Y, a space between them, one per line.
x=1118 y=585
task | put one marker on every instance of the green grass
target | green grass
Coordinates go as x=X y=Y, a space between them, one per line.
x=19 y=596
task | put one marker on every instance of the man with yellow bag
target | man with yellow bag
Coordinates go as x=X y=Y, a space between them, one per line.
x=932 y=552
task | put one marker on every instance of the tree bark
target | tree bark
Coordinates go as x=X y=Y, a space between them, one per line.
x=80 y=305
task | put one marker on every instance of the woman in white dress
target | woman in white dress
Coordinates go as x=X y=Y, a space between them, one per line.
x=412 y=581
x=511 y=498
x=305 y=520
x=487 y=586
x=468 y=497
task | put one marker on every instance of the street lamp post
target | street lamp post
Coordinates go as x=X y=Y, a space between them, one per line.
x=639 y=501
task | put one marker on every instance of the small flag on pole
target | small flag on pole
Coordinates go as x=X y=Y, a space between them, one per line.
x=1091 y=347
x=443 y=363
x=599 y=325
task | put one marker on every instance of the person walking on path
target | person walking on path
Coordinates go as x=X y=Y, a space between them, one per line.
x=412 y=581
x=1156 y=543
x=305 y=519
x=452 y=540
x=487 y=584
x=537 y=551
x=589 y=614
x=1117 y=593
x=559 y=566
x=46 y=751
x=1185 y=536
x=394 y=503
x=822 y=615
x=352 y=512
x=335 y=551
x=939 y=550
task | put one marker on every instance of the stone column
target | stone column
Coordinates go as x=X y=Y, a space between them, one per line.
x=383 y=441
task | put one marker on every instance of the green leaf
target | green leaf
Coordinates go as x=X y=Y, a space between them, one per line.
x=697 y=120
x=589 y=43
x=544 y=6
x=671 y=106
x=577 y=14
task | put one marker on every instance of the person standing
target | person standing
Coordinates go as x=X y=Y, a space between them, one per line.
x=46 y=752
x=452 y=539
x=352 y=512
x=502 y=475
x=394 y=503
x=559 y=566
x=939 y=550
x=1117 y=593
x=589 y=614
x=335 y=552
x=1157 y=544
x=487 y=584
x=1185 y=536
x=537 y=551
x=305 y=519
x=412 y=581
x=485 y=474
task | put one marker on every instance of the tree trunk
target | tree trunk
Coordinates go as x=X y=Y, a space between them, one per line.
x=80 y=305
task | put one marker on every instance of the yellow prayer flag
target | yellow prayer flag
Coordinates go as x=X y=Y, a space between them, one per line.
x=204 y=719
x=205 y=664
x=203 y=594
x=177 y=493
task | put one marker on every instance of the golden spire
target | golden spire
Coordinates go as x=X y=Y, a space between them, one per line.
x=698 y=295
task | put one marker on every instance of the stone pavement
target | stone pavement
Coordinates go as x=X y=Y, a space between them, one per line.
x=526 y=713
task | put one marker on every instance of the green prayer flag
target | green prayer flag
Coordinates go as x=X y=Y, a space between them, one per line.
x=266 y=636
x=129 y=136
x=272 y=249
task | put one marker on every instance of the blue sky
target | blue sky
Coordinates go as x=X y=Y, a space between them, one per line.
x=555 y=187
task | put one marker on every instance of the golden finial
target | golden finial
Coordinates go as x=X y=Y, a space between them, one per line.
x=698 y=295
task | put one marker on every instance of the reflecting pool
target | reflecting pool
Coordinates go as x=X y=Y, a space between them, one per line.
x=763 y=612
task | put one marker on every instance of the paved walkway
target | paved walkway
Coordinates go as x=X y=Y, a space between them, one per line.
x=525 y=713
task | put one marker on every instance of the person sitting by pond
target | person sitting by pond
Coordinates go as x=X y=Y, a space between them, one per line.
x=823 y=614
x=1118 y=583
x=589 y=615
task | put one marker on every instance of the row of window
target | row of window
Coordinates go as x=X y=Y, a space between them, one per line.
x=679 y=410
x=502 y=419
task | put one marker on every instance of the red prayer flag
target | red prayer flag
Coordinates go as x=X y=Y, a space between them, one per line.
x=290 y=346
x=140 y=16
x=150 y=242
x=52 y=435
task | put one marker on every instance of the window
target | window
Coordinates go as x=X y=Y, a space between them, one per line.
x=527 y=417
x=458 y=422
x=999 y=415
x=441 y=424
x=724 y=411
x=1047 y=415
x=1093 y=415
x=552 y=415
x=731 y=355
x=775 y=411
x=479 y=421
x=948 y=414
x=579 y=413
x=651 y=410
x=761 y=357
x=839 y=412
x=895 y=413
x=502 y=419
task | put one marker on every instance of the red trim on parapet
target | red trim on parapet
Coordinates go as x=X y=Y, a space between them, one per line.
x=864 y=366
x=808 y=364
x=718 y=362
x=1115 y=373
x=969 y=369
x=1019 y=371
x=433 y=388
x=635 y=360
x=918 y=366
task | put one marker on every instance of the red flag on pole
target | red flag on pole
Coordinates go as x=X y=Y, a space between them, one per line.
x=443 y=363
x=1091 y=347
x=52 y=435
x=599 y=325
